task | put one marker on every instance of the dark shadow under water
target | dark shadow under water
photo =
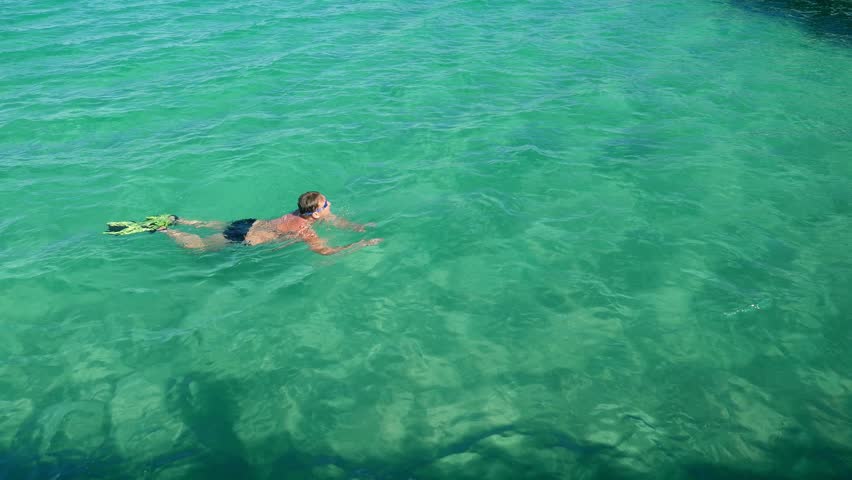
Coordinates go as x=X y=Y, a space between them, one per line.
x=825 y=18
x=208 y=407
x=597 y=464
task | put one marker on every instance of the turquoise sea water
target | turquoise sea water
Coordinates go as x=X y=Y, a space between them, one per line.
x=617 y=239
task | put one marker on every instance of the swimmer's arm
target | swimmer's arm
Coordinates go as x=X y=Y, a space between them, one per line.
x=343 y=223
x=318 y=245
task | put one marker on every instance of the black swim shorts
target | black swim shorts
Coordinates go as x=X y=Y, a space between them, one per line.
x=236 y=231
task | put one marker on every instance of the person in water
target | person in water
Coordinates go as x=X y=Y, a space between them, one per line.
x=296 y=226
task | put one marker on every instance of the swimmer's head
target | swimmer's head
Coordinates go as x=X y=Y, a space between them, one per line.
x=313 y=205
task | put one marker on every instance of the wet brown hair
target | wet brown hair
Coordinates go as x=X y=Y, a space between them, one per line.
x=309 y=202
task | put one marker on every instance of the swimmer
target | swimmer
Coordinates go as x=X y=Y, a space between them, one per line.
x=296 y=226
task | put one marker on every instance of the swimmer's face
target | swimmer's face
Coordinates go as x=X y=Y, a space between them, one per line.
x=323 y=209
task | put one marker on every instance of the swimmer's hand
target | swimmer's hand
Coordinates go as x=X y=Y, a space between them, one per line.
x=362 y=228
x=343 y=223
x=320 y=246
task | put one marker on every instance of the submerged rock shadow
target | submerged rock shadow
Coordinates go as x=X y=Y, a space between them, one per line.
x=207 y=407
x=44 y=451
x=825 y=18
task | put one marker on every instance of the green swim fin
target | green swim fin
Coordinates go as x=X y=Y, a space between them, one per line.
x=150 y=224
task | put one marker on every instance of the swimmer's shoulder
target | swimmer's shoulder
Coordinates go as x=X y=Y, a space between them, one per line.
x=291 y=224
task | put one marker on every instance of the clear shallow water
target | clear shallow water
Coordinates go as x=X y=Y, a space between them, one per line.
x=617 y=240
